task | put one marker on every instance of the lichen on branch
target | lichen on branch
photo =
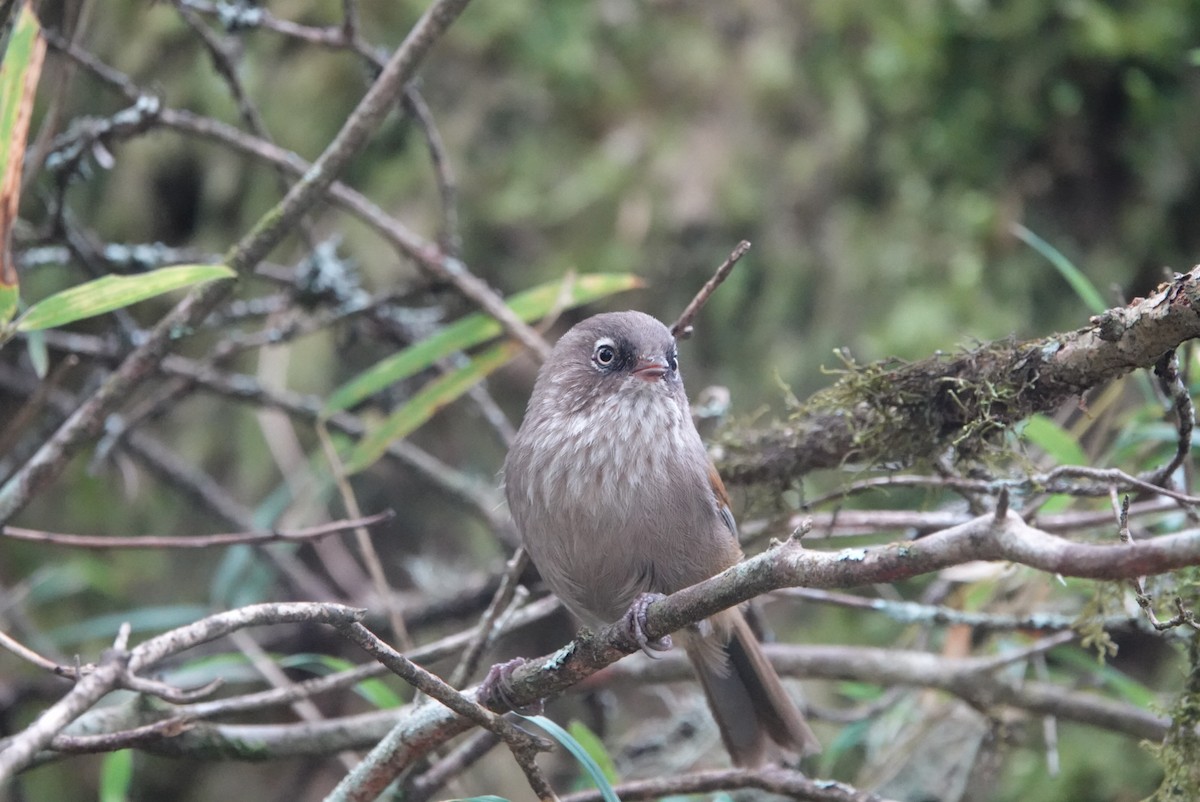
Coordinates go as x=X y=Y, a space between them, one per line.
x=899 y=413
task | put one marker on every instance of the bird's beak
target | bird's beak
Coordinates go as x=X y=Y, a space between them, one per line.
x=650 y=368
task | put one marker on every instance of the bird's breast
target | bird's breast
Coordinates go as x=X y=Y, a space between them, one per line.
x=617 y=501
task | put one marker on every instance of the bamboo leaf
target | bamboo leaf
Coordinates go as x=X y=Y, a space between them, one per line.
x=19 y=73
x=113 y=292
x=422 y=406
x=374 y=691
x=1081 y=284
x=577 y=750
x=1057 y=442
x=116 y=776
x=591 y=743
x=473 y=330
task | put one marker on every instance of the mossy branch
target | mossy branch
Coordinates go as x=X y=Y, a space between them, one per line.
x=904 y=412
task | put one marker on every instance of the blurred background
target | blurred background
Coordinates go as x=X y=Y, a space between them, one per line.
x=877 y=156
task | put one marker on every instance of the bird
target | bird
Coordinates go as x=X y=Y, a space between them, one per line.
x=617 y=501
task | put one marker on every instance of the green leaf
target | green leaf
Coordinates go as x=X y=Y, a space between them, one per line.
x=580 y=754
x=116 y=775
x=473 y=330
x=375 y=691
x=592 y=744
x=113 y=292
x=10 y=299
x=859 y=691
x=1059 y=444
x=422 y=406
x=1080 y=283
x=19 y=74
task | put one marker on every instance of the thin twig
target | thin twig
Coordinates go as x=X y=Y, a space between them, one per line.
x=418 y=111
x=376 y=772
x=25 y=653
x=366 y=548
x=196 y=541
x=784 y=782
x=144 y=735
x=1167 y=372
x=683 y=326
x=451 y=766
x=908 y=612
x=1184 y=616
x=488 y=624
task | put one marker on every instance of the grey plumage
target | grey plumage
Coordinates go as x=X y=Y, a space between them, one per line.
x=612 y=489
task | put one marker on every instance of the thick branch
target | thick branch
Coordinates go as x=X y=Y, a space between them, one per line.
x=982 y=538
x=898 y=413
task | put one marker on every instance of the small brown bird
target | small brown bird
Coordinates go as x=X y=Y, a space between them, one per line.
x=611 y=487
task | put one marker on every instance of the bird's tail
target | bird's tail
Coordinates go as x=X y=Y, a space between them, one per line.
x=747 y=699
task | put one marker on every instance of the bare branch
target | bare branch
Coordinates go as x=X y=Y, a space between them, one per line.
x=377 y=770
x=192 y=542
x=1167 y=371
x=972 y=679
x=908 y=612
x=682 y=329
x=785 y=782
x=120 y=663
x=982 y=538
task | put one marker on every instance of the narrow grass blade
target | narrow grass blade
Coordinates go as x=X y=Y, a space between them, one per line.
x=422 y=406
x=589 y=765
x=1080 y=283
x=1059 y=444
x=116 y=776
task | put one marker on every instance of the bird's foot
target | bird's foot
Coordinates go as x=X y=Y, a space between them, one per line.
x=635 y=619
x=498 y=685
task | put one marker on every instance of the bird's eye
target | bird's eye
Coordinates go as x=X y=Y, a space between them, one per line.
x=673 y=361
x=605 y=353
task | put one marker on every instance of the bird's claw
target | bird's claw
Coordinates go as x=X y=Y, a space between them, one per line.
x=498 y=685
x=635 y=619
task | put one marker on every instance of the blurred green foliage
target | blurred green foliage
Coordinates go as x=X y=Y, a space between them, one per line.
x=877 y=155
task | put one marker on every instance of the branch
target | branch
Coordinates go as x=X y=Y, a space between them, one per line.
x=682 y=328
x=120 y=665
x=791 y=565
x=975 y=680
x=888 y=412
x=367 y=780
x=202 y=740
x=908 y=612
x=774 y=780
x=366 y=118
x=195 y=542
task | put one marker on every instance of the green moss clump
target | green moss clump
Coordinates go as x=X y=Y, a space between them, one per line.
x=1179 y=753
x=916 y=409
